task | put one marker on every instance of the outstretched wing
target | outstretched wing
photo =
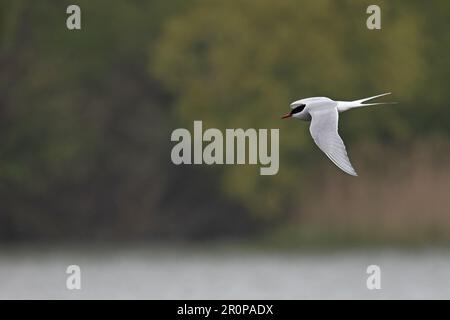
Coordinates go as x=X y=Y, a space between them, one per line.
x=324 y=130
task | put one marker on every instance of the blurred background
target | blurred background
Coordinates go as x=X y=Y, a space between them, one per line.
x=85 y=124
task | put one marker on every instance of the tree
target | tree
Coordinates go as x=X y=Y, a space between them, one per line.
x=239 y=64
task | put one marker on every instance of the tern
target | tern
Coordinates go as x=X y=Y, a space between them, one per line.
x=324 y=116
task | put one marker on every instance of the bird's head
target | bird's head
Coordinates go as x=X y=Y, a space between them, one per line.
x=296 y=108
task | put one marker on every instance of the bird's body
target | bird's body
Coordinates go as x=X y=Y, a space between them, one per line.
x=323 y=113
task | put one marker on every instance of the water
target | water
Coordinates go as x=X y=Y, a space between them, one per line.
x=223 y=274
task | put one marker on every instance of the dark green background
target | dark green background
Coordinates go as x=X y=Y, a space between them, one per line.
x=86 y=118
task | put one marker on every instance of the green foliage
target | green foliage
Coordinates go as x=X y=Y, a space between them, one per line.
x=82 y=135
x=85 y=116
x=240 y=64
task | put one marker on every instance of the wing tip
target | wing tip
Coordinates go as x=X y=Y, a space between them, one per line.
x=353 y=174
x=350 y=171
x=347 y=169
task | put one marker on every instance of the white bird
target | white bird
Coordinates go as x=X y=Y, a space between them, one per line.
x=324 y=115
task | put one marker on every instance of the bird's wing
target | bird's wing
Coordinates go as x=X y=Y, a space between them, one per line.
x=324 y=130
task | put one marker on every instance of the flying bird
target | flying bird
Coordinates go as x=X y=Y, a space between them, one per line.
x=324 y=116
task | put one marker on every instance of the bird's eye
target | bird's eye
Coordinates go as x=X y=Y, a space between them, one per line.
x=298 y=109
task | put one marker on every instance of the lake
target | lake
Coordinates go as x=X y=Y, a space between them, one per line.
x=186 y=273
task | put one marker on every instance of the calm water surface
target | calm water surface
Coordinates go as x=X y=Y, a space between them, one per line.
x=209 y=274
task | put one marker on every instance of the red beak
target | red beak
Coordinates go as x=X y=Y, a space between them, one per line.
x=287 y=115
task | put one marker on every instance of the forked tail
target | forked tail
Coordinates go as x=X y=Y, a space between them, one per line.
x=347 y=105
